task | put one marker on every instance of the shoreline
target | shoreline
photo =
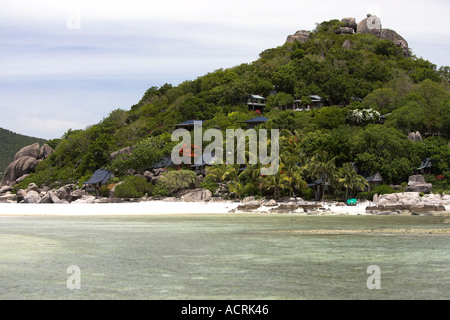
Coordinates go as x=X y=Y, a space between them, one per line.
x=161 y=207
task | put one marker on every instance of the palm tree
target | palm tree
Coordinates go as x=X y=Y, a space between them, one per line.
x=239 y=188
x=323 y=167
x=223 y=172
x=350 y=179
x=274 y=182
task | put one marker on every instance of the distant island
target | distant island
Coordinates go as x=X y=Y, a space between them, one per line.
x=358 y=114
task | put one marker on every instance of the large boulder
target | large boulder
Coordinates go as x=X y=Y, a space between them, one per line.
x=350 y=23
x=197 y=195
x=28 y=151
x=45 y=151
x=417 y=183
x=32 y=197
x=18 y=168
x=372 y=25
x=126 y=150
x=300 y=36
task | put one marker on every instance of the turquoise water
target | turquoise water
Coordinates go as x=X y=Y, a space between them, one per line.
x=222 y=257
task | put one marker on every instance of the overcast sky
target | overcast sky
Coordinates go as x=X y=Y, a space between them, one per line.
x=67 y=64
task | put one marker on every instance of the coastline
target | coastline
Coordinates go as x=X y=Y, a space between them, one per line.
x=161 y=207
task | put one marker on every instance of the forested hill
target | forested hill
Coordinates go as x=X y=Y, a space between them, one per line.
x=10 y=143
x=374 y=93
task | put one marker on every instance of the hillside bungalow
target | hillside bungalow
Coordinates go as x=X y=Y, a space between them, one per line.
x=99 y=178
x=374 y=181
x=425 y=167
x=188 y=125
x=252 y=123
x=316 y=102
x=256 y=103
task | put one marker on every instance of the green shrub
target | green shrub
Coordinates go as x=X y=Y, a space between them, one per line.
x=133 y=187
x=209 y=184
x=176 y=180
x=383 y=189
x=160 y=190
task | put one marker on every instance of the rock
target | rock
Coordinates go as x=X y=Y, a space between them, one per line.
x=148 y=175
x=45 y=151
x=286 y=207
x=350 y=23
x=200 y=195
x=344 y=30
x=18 y=168
x=21 y=195
x=347 y=44
x=33 y=187
x=399 y=41
x=5 y=189
x=372 y=25
x=417 y=183
x=271 y=203
x=53 y=197
x=249 y=206
x=63 y=193
x=46 y=199
x=300 y=36
x=28 y=151
x=126 y=150
x=415 y=136
x=77 y=194
x=369 y=24
x=248 y=199
x=8 y=198
x=20 y=179
x=32 y=197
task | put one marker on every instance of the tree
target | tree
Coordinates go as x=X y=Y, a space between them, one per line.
x=323 y=167
x=350 y=179
x=221 y=173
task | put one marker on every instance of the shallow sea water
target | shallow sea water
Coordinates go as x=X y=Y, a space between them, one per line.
x=251 y=257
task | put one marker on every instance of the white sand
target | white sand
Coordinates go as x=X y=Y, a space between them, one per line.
x=148 y=208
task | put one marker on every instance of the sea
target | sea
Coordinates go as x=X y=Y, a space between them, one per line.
x=224 y=257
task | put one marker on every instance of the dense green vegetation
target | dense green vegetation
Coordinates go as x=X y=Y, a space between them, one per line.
x=359 y=84
x=10 y=143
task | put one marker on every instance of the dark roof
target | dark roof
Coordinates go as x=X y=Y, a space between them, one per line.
x=163 y=163
x=256 y=120
x=375 y=178
x=188 y=123
x=99 y=176
x=425 y=164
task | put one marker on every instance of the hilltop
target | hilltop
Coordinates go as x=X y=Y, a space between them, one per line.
x=340 y=94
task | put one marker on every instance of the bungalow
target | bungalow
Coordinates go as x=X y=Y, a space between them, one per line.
x=252 y=123
x=316 y=102
x=256 y=103
x=425 y=167
x=188 y=125
x=374 y=181
x=100 y=177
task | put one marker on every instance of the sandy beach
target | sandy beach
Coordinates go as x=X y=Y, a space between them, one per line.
x=152 y=208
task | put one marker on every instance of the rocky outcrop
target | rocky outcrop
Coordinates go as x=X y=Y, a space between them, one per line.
x=197 y=195
x=300 y=36
x=126 y=150
x=409 y=202
x=24 y=162
x=350 y=23
x=28 y=151
x=372 y=25
x=417 y=183
x=415 y=136
x=344 y=30
x=18 y=168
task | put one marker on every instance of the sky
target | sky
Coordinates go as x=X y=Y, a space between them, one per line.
x=68 y=64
